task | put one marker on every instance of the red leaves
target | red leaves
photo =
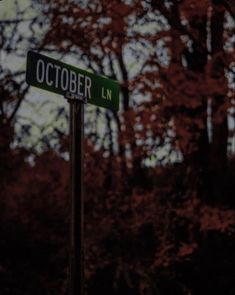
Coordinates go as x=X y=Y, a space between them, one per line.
x=169 y=84
x=38 y=199
x=194 y=8
x=217 y=219
x=208 y=218
x=187 y=249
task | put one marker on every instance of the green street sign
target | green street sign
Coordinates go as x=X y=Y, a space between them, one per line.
x=52 y=75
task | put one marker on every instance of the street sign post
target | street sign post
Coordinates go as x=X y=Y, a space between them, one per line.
x=78 y=87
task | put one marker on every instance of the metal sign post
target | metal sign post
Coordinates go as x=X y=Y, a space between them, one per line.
x=77 y=201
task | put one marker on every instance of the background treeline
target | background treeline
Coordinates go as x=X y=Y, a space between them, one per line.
x=159 y=177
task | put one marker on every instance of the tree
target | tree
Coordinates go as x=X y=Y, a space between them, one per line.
x=173 y=54
x=148 y=229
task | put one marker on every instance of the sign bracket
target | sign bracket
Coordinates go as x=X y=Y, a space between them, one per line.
x=71 y=97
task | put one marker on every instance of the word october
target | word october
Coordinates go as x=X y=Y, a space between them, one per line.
x=59 y=77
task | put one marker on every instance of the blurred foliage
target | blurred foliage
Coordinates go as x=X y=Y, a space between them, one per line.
x=164 y=228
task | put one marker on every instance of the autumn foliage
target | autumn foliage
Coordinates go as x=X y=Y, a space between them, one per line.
x=159 y=176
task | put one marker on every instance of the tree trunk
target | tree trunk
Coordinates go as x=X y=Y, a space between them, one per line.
x=219 y=111
x=218 y=154
x=196 y=62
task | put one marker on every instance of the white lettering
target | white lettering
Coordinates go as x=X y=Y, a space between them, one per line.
x=87 y=87
x=73 y=82
x=64 y=79
x=49 y=65
x=80 y=83
x=103 y=96
x=57 y=68
x=109 y=94
x=40 y=72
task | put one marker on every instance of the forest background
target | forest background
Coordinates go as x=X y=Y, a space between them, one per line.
x=159 y=174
